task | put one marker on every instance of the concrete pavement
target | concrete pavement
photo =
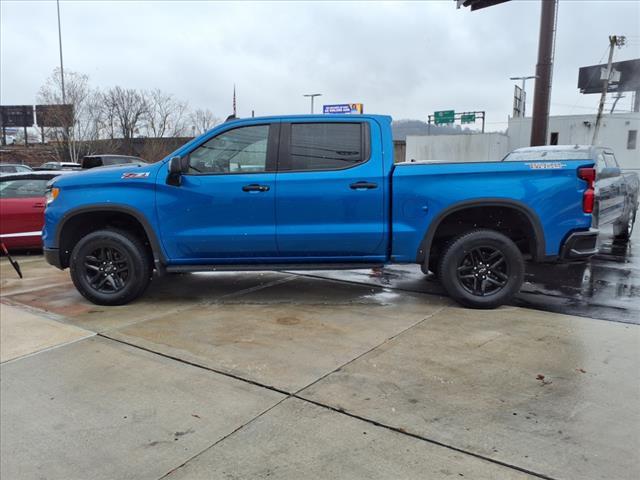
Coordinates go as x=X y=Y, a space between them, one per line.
x=23 y=333
x=276 y=375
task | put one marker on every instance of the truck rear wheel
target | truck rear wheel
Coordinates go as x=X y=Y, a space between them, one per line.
x=482 y=269
x=110 y=267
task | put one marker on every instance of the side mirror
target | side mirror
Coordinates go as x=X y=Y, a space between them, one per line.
x=177 y=166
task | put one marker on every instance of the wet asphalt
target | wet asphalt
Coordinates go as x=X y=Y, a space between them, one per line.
x=606 y=287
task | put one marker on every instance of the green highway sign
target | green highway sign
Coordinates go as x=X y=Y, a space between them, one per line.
x=468 y=118
x=444 y=117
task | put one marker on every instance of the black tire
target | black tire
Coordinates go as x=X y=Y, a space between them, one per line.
x=110 y=267
x=481 y=269
x=623 y=230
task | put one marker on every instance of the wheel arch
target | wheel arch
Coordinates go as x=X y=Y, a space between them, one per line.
x=109 y=209
x=538 y=240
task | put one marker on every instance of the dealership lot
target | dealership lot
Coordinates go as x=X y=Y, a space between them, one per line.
x=263 y=375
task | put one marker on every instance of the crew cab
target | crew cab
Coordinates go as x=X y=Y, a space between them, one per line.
x=316 y=191
x=615 y=192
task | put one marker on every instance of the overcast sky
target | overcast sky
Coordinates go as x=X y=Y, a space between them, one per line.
x=407 y=59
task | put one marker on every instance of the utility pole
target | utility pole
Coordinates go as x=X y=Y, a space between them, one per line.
x=524 y=92
x=312 y=96
x=544 y=70
x=614 y=41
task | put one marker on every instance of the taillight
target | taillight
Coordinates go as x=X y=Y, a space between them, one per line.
x=588 y=174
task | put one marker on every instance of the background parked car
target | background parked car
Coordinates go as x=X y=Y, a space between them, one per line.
x=59 y=166
x=92 y=161
x=22 y=203
x=14 y=168
x=614 y=194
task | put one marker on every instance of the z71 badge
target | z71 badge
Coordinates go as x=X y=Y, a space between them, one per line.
x=130 y=175
x=546 y=165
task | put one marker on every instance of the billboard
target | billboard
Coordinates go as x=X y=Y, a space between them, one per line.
x=625 y=77
x=54 y=115
x=343 y=108
x=16 y=116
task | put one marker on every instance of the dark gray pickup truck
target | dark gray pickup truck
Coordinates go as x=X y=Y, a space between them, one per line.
x=616 y=192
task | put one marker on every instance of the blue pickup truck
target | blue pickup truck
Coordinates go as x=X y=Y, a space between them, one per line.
x=312 y=192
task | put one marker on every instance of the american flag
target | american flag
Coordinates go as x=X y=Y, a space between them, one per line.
x=234 y=99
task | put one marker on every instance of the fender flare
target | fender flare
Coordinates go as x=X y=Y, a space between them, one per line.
x=532 y=217
x=159 y=258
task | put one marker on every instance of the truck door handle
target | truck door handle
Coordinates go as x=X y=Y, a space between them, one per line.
x=254 y=187
x=38 y=205
x=363 y=186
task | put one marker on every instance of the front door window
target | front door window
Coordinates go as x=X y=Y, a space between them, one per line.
x=241 y=150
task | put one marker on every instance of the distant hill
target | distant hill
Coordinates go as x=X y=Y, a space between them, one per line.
x=402 y=128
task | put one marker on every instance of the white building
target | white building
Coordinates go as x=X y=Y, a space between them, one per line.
x=618 y=131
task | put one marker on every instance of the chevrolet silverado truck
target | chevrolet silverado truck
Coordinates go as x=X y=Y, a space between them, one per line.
x=317 y=192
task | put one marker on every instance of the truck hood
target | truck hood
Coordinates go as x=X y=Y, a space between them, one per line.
x=109 y=175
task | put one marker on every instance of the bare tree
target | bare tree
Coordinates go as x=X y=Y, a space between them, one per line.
x=124 y=111
x=202 y=121
x=165 y=115
x=85 y=125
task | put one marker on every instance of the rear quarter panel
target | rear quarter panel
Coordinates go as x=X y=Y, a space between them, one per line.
x=422 y=192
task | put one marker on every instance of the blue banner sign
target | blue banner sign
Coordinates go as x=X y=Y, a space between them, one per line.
x=343 y=108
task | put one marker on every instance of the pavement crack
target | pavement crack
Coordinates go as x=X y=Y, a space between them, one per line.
x=386 y=340
x=239 y=293
x=224 y=437
x=193 y=364
x=402 y=431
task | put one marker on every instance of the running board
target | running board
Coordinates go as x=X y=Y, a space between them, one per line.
x=270 y=266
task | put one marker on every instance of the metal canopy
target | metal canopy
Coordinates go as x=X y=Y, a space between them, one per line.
x=478 y=4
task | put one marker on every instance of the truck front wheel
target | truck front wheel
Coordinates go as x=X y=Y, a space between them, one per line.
x=481 y=269
x=110 y=267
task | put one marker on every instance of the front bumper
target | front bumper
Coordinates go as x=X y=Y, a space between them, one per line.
x=580 y=245
x=52 y=256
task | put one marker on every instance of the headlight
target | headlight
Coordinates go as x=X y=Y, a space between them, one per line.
x=52 y=194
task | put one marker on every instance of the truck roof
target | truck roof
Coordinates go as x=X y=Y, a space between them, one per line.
x=323 y=117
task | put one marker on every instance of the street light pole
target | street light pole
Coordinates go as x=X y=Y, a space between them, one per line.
x=312 y=96
x=524 y=82
x=64 y=99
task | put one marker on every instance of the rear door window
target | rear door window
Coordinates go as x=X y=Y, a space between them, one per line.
x=325 y=146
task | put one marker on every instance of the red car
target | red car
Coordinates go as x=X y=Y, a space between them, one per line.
x=22 y=203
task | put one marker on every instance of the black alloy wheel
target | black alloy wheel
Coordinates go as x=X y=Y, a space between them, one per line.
x=483 y=271
x=111 y=267
x=106 y=269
